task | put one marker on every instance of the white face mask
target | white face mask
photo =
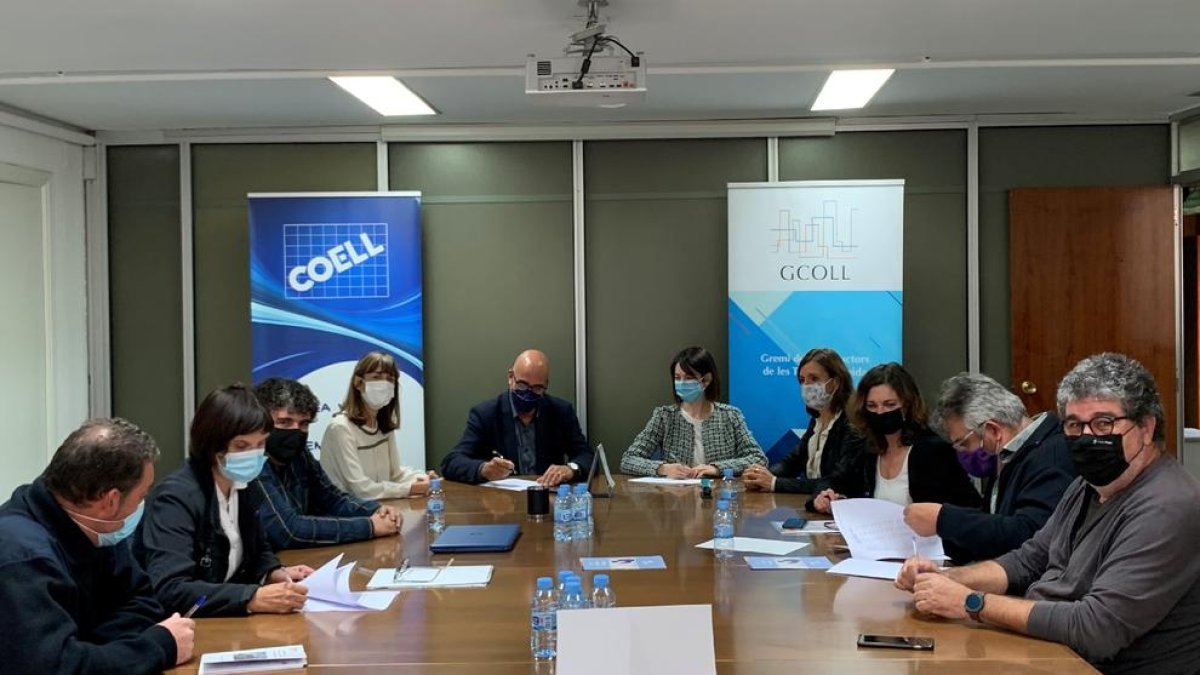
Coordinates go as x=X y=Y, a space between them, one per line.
x=816 y=395
x=378 y=393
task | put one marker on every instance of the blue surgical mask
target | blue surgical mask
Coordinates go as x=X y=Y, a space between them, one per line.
x=689 y=390
x=113 y=538
x=243 y=467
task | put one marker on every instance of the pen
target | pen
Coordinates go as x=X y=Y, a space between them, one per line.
x=199 y=603
x=446 y=566
x=400 y=571
x=497 y=455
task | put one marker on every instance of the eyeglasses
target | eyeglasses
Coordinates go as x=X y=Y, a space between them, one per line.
x=539 y=389
x=961 y=444
x=1101 y=425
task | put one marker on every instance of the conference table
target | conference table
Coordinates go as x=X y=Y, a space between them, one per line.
x=764 y=622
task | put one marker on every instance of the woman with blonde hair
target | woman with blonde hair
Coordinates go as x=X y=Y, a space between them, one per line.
x=359 y=449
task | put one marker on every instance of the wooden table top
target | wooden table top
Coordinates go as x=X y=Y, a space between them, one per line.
x=764 y=622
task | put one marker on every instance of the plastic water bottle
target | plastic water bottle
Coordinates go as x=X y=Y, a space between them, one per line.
x=543 y=636
x=584 y=524
x=602 y=593
x=563 y=575
x=574 y=598
x=722 y=531
x=728 y=482
x=436 y=506
x=731 y=497
x=563 y=514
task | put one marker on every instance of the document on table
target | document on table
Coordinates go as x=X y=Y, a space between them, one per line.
x=636 y=641
x=660 y=480
x=811 y=562
x=752 y=545
x=329 y=591
x=633 y=562
x=871 y=569
x=514 y=484
x=291 y=657
x=462 y=576
x=810 y=528
x=875 y=530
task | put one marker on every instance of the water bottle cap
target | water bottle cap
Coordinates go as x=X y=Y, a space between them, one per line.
x=580 y=488
x=600 y=580
x=563 y=575
x=574 y=585
x=545 y=583
x=727 y=473
x=563 y=490
x=722 y=504
x=435 y=484
x=726 y=493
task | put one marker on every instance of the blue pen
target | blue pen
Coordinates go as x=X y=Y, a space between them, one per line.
x=198 y=605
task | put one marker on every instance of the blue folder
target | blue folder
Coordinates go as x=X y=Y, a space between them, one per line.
x=476 y=538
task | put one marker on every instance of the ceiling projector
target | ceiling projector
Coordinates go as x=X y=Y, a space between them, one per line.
x=592 y=72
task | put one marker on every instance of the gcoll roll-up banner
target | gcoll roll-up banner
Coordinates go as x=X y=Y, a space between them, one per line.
x=811 y=264
x=332 y=277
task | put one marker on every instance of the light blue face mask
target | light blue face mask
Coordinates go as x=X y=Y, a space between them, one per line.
x=113 y=538
x=689 y=390
x=244 y=466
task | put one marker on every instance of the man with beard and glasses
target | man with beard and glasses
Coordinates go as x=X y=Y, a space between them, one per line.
x=1113 y=574
x=523 y=431
x=300 y=506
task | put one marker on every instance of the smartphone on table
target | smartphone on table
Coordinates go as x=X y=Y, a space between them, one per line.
x=895 y=642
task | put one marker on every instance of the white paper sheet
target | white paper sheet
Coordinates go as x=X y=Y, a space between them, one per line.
x=514 y=484
x=254 y=660
x=875 y=530
x=636 y=641
x=752 y=545
x=659 y=480
x=329 y=591
x=462 y=576
x=871 y=569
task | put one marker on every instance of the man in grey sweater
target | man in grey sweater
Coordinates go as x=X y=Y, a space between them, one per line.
x=1113 y=574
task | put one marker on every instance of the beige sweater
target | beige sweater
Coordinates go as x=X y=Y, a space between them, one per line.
x=366 y=465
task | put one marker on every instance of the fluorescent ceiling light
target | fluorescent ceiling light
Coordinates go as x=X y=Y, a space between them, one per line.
x=387 y=95
x=847 y=89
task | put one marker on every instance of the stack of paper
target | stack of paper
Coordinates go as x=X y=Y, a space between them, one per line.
x=752 y=545
x=514 y=484
x=636 y=641
x=875 y=530
x=659 y=480
x=465 y=576
x=871 y=569
x=291 y=657
x=329 y=591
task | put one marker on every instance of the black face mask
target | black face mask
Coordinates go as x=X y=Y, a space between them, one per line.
x=1099 y=459
x=887 y=423
x=284 y=445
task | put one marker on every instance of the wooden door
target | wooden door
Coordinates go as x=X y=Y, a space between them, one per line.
x=1092 y=270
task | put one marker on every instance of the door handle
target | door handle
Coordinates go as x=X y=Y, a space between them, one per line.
x=1028 y=387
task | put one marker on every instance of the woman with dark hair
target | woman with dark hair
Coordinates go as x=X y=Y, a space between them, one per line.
x=200 y=535
x=359 y=451
x=831 y=445
x=697 y=436
x=905 y=462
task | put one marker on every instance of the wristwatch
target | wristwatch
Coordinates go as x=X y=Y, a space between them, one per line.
x=574 y=467
x=974 y=604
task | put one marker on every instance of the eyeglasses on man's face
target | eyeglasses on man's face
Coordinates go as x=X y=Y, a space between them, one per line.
x=1100 y=425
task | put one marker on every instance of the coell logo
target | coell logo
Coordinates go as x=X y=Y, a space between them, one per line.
x=345 y=256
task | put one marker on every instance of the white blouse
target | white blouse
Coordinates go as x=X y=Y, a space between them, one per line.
x=894 y=490
x=227 y=508
x=816 y=446
x=698 y=458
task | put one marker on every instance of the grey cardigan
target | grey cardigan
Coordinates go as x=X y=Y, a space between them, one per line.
x=728 y=443
x=1127 y=595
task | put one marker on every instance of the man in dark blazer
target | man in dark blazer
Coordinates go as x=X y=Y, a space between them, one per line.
x=523 y=431
x=1024 y=463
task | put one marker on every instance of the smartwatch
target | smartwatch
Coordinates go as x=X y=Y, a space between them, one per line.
x=974 y=604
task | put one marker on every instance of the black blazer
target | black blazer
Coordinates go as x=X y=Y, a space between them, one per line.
x=1029 y=489
x=491 y=426
x=934 y=475
x=186 y=553
x=844 y=446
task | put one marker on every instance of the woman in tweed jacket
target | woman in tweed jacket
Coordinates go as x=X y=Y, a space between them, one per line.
x=697 y=436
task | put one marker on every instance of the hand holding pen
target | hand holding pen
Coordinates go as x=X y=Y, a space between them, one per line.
x=497 y=467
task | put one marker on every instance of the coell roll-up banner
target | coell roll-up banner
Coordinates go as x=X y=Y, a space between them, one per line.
x=811 y=264
x=332 y=277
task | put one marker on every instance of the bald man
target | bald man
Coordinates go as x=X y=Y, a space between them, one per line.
x=523 y=431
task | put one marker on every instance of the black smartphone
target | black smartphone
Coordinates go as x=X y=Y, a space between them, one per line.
x=895 y=642
x=794 y=524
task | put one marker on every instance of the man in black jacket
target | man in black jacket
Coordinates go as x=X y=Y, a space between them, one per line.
x=74 y=598
x=1024 y=463
x=523 y=431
